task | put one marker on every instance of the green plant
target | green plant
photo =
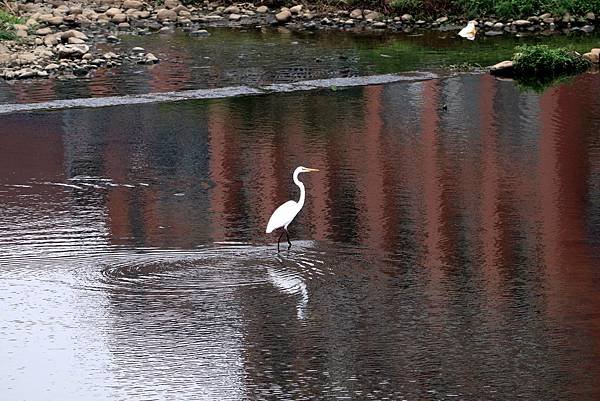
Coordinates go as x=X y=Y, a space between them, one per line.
x=7 y=22
x=541 y=60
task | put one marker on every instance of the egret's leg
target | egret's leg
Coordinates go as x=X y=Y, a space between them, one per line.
x=288 y=239
x=279 y=239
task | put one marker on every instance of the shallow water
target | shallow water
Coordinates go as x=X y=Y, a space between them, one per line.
x=263 y=56
x=444 y=253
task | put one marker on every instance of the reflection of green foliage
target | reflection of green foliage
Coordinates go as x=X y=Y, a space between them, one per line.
x=435 y=50
x=540 y=84
x=542 y=60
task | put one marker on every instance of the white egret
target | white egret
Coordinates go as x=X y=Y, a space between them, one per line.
x=469 y=31
x=284 y=214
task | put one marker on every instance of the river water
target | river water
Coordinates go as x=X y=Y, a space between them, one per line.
x=449 y=249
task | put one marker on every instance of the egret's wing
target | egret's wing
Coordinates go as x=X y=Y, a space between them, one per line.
x=282 y=215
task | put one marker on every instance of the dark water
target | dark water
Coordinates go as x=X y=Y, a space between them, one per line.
x=442 y=254
x=266 y=56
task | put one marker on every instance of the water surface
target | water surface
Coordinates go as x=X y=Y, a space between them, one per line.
x=444 y=253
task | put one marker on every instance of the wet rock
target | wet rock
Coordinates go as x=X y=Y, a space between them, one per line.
x=494 y=33
x=72 y=51
x=587 y=28
x=296 y=9
x=548 y=20
x=200 y=33
x=25 y=73
x=133 y=4
x=349 y=22
x=166 y=15
x=138 y=50
x=379 y=25
x=595 y=51
x=545 y=15
x=441 y=20
x=592 y=57
x=52 y=67
x=124 y=26
x=112 y=39
x=42 y=74
x=283 y=16
x=326 y=21
x=262 y=9
x=356 y=13
x=406 y=18
x=503 y=68
x=498 y=26
x=234 y=17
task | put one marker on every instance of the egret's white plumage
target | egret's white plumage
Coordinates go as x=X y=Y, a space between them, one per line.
x=469 y=31
x=284 y=214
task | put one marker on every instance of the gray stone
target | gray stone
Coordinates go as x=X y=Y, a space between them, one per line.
x=51 y=67
x=133 y=4
x=166 y=15
x=503 y=68
x=235 y=17
x=262 y=9
x=493 y=33
x=590 y=16
x=441 y=20
x=406 y=18
x=56 y=20
x=138 y=49
x=43 y=31
x=296 y=9
x=521 y=23
x=587 y=28
x=72 y=51
x=169 y=4
x=112 y=39
x=75 y=41
x=200 y=33
x=379 y=25
x=111 y=12
x=117 y=19
x=283 y=16
x=356 y=13
x=232 y=10
x=593 y=57
x=373 y=15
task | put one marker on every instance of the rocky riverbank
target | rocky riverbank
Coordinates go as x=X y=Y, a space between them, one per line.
x=67 y=38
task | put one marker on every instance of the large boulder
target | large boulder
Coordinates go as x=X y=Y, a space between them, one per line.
x=283 y=16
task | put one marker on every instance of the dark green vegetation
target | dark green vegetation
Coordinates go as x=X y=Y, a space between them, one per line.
x=544 y=60
x=7 y=21
x=482 y=8
x=540 y=66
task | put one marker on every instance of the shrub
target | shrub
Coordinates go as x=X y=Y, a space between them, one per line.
x=7 y=22
x=542 y=60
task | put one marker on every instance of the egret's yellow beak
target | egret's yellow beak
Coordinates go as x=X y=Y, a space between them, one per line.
x=310 y=170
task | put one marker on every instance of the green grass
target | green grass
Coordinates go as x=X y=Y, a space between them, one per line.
x=498 y=8
x=7 y=22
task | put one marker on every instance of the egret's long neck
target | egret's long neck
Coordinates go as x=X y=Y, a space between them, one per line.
x=302 y=192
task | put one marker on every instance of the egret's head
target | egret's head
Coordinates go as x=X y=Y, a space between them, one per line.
x=303 y=169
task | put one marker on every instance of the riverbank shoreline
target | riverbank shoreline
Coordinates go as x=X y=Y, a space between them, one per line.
x=64 y=38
